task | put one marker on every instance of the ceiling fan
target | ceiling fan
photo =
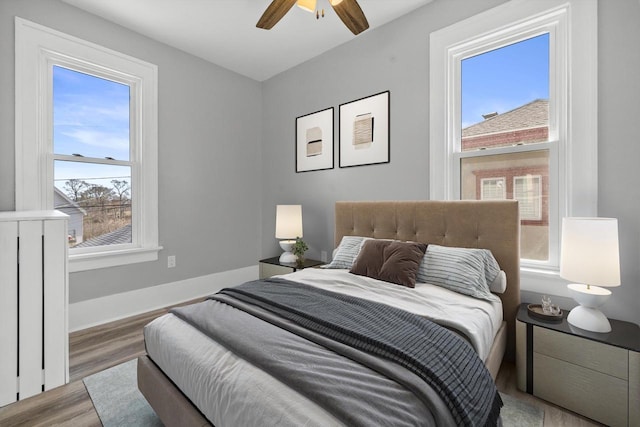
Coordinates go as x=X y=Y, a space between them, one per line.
x=348 y=10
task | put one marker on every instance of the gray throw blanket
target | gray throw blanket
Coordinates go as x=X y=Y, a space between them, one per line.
x=439 y=357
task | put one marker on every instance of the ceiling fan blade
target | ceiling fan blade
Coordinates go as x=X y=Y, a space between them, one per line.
x=274 y=13
x=350 y=13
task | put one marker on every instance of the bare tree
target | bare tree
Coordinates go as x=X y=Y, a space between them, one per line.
x=74 y=188
x=97 y=195
x=122 y=189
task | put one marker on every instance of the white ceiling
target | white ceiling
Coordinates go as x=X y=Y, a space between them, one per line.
x=224 y=31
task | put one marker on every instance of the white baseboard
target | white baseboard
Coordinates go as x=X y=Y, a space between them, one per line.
x=93 y=312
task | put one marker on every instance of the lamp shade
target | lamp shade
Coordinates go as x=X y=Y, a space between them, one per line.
x=288 y=221
x=308 y=5
x=590 y=253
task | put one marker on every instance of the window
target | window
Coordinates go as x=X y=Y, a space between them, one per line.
x=505 y=128
x=505 y=108
x=91 y=161
x=86 y=144
x=493 y=189
x=513 y=115
x=527 y=190
x=476 y=167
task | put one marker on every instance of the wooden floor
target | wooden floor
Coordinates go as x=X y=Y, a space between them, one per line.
x=95 y=349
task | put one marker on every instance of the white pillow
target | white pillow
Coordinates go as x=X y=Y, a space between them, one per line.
x=346 y=252
x=499 y=284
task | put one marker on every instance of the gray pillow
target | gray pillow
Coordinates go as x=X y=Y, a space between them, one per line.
x=346 y=252
x=463 y=270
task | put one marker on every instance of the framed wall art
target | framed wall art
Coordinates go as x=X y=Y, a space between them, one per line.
x=365 y=131
x=314 y=141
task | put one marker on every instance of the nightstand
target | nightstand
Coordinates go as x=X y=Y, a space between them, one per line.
x=595 y=375
x=272 y=266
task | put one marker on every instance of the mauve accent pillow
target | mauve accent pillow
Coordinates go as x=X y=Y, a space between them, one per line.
x=390 y=260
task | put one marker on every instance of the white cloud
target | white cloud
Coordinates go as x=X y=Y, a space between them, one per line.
x=83 y=114
x=94 y=138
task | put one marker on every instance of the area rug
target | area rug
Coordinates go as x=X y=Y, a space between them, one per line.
x=516 y=413
x=119 y=403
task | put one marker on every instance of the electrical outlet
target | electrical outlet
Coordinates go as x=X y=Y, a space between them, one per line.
x=171 y=261
x=323 y=256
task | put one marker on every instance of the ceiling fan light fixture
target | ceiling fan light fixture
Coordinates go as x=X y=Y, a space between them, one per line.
x=348 y=11
x=308 y=5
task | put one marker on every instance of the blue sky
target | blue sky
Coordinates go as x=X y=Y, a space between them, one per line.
x=505 y=78
x=90 y=117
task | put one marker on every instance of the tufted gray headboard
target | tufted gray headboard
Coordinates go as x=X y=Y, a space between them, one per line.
x=493 y=225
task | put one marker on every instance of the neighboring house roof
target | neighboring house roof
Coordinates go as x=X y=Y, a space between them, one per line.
x=66 y=202
x=119 y=236
x=532 y=115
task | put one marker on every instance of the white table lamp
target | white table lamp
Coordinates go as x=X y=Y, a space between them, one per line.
x=288 y=227
x=590 y=256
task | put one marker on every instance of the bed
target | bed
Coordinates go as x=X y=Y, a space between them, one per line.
x=190 y=378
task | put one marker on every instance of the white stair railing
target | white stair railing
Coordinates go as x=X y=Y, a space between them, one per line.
x=34 y=340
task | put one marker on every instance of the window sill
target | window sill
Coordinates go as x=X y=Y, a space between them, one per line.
x=541 y=281
x=84 y=262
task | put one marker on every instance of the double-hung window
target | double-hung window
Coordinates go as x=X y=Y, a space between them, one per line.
x=86 y=144
x=92 y=160
x=513 y=115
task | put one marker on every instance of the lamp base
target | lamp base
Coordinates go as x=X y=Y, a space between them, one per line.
x=587 y=316
x=287 y=256
x=589 y=319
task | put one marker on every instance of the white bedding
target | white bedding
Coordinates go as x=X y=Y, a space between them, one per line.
x=227 y=389
x=185 y=354
x=478 y=319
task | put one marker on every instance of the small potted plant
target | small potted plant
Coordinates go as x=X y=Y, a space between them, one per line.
x=299 y=248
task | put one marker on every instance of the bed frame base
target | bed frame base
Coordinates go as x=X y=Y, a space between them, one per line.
x=175 y=409
x=496 y=354
x=171 y=406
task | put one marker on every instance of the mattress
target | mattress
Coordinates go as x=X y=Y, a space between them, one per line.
x=208 y=374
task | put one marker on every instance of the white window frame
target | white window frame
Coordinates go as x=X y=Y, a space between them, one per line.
x=572 y=25
x=497 y=179
x=537 y=198
x=38 y=49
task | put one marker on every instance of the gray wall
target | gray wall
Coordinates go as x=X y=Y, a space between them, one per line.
x=619 y=143
x=395 y=57
x=209 y=153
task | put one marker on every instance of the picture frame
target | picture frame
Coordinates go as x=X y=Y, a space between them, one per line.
x=314 y=141
x=365 y=131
